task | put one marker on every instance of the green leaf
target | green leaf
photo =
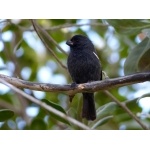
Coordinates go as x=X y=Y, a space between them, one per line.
x=101 y=122
x=133 y=105
x=138 y=58
x=144 y=62
x=10 y=27
x=106 y=109
x=54 y=105
x=6 y=114
x=5 y=126
x=38 y=124
x=79 y=109
x=72 y=112
x=128 y=26
x=57 y=107
x=121 y=117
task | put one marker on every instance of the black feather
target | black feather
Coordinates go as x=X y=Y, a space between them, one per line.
x=84 y=66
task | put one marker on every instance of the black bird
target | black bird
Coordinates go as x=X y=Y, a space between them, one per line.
x=84 y=66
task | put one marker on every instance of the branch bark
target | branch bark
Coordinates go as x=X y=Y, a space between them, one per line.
x=86 y=87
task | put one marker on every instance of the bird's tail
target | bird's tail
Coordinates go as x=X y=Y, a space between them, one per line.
x=88 y=110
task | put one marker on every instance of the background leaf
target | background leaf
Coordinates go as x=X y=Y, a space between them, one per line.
x=38 y=124
x=138 y=58
x=59 y=108
x=5 y=114
x=54 y=105
x=106 y=109
x=101 y=122
x=128 y=26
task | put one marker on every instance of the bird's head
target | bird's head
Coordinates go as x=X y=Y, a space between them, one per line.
x=79 y=42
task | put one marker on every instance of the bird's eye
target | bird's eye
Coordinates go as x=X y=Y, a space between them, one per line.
x=77 y=41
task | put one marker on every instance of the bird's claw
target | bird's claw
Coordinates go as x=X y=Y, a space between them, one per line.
x=73 y=85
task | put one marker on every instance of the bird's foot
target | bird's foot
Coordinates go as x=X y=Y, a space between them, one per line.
x=73 y=85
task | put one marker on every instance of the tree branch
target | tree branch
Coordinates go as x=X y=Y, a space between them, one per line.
x=50 y=50
x=44 y=105
x=48 y=36
x=71 y=25
x=126 y=109
x=86 y=87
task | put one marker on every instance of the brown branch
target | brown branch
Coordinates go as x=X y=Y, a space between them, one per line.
x=86 y=87
x=50 y=50
x=126 y=109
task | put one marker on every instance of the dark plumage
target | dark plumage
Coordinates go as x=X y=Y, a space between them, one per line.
x=84 y=66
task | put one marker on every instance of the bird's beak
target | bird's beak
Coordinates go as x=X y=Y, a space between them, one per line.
x=70 y=43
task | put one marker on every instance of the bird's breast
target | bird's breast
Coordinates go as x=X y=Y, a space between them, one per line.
x=83 y=67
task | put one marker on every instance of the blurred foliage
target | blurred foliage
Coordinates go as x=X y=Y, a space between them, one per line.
x=140 y=58
x=5 y=114
x=23 y=55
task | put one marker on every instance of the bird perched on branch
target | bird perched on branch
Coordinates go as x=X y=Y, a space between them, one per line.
x=84 y=66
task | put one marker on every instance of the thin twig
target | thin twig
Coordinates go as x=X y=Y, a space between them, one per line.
x=44 y=105
x=48 y=36
x=126 y=109
x=80 y=88
x=71 y=25
x=51 y=51
x=78 y=25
